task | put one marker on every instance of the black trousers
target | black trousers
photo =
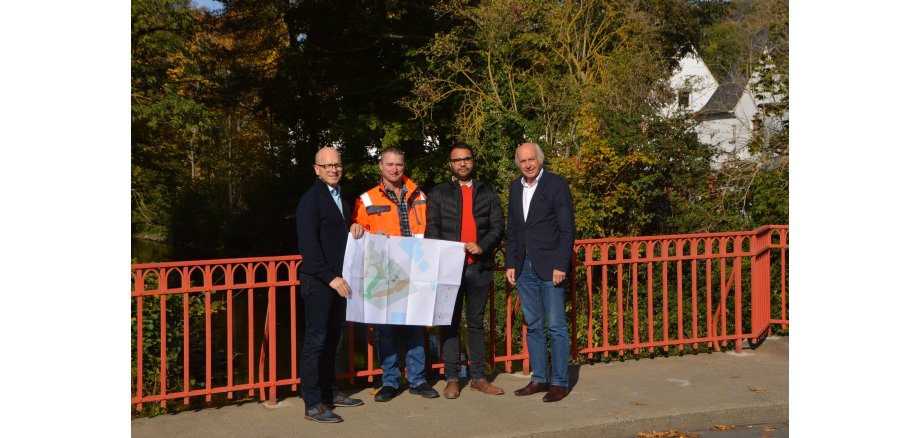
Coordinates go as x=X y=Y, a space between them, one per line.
x=324 y=312
x=474 y=289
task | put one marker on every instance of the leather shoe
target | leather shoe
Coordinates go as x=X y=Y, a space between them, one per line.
x=452 y=390
x=386 y=393
x=556 y=393
x=483 y=385
x=424 y=390
x=320 y=414
x=342 y=400
x=532 y=388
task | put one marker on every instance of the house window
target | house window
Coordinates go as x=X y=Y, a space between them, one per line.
x=756 y=124
x=683 y=98
x=734 y=134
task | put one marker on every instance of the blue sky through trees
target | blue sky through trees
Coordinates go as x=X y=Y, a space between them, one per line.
x=208 y=4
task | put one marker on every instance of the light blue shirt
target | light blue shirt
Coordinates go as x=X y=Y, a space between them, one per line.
x=337 y=196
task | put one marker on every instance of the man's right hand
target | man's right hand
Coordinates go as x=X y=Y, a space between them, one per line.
x=340 y=286
x=509 y=275
x=357 y=231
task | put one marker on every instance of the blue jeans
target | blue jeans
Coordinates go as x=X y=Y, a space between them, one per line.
x=544 y=312
x=388 y=337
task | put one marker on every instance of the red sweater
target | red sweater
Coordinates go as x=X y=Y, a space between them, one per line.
x=467 y=222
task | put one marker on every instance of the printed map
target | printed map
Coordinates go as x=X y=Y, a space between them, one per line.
x=402 y=280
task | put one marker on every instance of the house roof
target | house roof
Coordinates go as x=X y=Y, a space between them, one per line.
x=722 y=103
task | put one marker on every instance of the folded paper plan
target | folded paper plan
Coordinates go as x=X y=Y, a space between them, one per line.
x=402 y=280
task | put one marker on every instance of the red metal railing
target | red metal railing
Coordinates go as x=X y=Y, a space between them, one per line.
x=627 y=294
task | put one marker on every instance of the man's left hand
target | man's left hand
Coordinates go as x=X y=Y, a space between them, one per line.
x=558 y=277
x=472 y=248
x=340 y=286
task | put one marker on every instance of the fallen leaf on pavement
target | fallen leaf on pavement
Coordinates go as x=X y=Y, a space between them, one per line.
x=768 y=429
x=673 y=433
x=722 y=427
x=759 y=390
x=638 y=403
x=623 y=411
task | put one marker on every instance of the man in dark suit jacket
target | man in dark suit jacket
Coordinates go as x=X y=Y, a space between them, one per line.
x=467 y=210
x=538 y=258
x=323 y=221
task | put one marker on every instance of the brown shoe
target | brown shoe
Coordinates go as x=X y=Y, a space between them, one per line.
x=452 y=390
x=483 y=385
x=556 y=393
x=532 y=388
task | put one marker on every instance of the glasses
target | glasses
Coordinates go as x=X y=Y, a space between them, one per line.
x=459 y=160
x=330 y=166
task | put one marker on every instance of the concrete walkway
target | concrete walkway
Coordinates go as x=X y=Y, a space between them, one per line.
x=617 y=399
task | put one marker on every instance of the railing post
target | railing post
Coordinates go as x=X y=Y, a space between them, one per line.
x=139 y=340
x=272 y=344
x=760 y=284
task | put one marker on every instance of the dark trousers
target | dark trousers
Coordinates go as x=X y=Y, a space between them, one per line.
x=324 y=312
x=474 y=289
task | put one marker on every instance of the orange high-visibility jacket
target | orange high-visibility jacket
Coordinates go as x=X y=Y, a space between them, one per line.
x=376 y=212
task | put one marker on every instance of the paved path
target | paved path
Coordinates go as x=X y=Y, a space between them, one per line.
x=617 y=399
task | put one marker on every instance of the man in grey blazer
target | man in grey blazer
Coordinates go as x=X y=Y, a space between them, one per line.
x=538 y=259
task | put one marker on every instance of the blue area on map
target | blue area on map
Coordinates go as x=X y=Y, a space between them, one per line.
x=410 y=246
x=397 y=318
x=424 y=266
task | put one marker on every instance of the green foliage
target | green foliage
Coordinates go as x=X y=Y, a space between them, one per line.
x=228 y=108
x=585 y=79
x=735 y=45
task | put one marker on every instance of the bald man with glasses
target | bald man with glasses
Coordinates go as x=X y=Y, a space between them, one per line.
x=323 y=223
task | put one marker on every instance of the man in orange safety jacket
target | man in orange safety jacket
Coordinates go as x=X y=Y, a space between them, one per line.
x=378 y=210
x=396 y=207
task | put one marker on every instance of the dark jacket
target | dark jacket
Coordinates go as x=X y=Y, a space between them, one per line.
x=322 y=232
x=443 y=217
x=549 y=233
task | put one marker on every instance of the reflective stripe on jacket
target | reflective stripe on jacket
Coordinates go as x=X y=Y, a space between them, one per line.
x=376 y=212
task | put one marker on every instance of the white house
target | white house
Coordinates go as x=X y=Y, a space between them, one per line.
x=694 y=85
x=729 y=114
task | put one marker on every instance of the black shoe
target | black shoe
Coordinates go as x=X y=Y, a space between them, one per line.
x=320 y=414
x=343 y=400
x=424 y=390
x=386 y=393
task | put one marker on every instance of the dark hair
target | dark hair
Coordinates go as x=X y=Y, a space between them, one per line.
x=460 y=145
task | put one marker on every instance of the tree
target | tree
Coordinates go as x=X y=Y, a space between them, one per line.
x=166 y=120
x=584 y=79
x=754 y=43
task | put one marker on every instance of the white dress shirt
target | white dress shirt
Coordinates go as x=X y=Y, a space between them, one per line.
x=528 y=192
